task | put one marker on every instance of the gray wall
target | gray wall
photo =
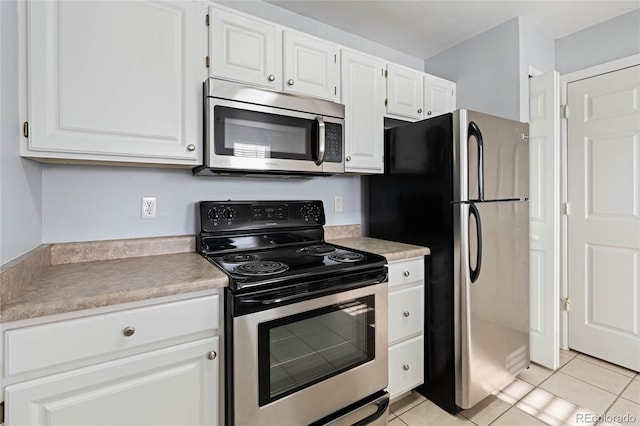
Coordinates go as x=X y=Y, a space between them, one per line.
x=20 y=179
x=486 y=69
x=537 y=52
x=95 y=202
x=610 y=40
x=290 y=19
x=99 y=202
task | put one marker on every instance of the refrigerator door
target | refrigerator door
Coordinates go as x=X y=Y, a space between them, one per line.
x=493 y=157
x=491 y=283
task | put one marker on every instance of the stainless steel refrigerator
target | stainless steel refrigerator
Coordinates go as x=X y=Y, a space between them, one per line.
x=459 y=184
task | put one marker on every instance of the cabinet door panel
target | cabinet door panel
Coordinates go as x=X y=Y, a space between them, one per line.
x=406 y=366
x=406 y=313
x=439 y=96
x=404 y=93
x=176 y=385
x=310 y=66
x=116 y=81
x=244 y=49
x=362 y=96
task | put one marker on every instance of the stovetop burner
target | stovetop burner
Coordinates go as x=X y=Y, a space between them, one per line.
x=261 y=268
x=317 y=250
x=346 y=257
x=239 y=258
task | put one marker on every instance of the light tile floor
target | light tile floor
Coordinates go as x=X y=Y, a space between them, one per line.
x=583 y=391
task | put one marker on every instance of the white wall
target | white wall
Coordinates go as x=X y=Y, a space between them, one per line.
x=486 y=70
x=21 y=179
x=290 y=19
x=613 y=39
x=537 y=51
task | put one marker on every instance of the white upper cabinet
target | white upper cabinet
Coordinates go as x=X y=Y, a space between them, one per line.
x=404 y=93
x=115 y=81
x=439 y=96
x=310 y=66
x=245 y=49
x=362 y=94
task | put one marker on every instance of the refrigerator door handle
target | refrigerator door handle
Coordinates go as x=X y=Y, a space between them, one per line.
x=474 y=131
x=475 y=272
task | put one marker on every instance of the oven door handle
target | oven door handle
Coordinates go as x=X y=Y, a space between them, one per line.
x=381 y=409
x=307 y=295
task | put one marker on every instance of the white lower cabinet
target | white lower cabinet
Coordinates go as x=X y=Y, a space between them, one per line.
x=406 y=325
x=171 y=386
x=148 y=365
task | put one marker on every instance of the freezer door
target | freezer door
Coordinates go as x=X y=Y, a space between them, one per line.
x=492 y=287
x=493 y=157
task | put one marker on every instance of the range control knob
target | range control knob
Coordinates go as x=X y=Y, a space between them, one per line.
x=214 y=213
x=229 y=213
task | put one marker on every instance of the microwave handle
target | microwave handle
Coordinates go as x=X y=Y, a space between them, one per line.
x=321 y=140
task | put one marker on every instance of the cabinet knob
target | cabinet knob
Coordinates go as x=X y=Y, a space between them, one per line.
x=271 y=77
x=290 y=82
x=406 y=273
x=405 y=367
x=419 y=110
x=212 y=355
x=429 y=113
x=191 y=147
x=406 y=314
x=128 y=331
x=348 y=158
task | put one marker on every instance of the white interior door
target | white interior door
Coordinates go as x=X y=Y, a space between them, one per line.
x=544 y=218
x=603 y=134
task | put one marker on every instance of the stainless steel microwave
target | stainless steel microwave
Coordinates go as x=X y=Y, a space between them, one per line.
x=252 y=130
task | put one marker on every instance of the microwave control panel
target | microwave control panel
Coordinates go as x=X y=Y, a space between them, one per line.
x=333 y=143
x=237 y=215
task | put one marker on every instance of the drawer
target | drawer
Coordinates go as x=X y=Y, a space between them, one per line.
x=406 y=271
x=40 y=346
x=406 y=366
x=406 y=312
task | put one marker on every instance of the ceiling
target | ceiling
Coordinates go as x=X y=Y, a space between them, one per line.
x=424 y=28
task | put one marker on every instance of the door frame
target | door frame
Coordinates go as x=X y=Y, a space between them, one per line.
x=565 y=79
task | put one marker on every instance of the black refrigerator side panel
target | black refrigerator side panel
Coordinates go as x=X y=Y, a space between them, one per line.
x=411 y=203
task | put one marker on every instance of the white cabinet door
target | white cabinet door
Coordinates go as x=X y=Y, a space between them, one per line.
x=116 y=81
x=245 y=49
x=362 y=95
x=310 y=66
x=404 y=93
x=439 y=96
x=406 y=366
x=172 y=386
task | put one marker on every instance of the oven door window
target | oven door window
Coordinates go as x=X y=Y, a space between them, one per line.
x=298 y=351
x=252 y=134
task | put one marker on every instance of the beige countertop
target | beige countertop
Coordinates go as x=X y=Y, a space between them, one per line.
x=74 y=286
x=391 y=250
x=60 y=278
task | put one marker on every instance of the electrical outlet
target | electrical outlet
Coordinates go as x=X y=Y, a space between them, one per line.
x=338 y=203
x=149 y=206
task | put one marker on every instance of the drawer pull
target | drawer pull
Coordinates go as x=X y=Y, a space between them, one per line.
x=406 y=314
x=406 y=273
x=405 y=367
x=128 y=331
x=212 y=355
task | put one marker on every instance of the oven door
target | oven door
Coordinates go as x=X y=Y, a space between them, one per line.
x=298 y=363
x=243 y=136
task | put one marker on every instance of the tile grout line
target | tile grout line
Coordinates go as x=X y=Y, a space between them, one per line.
x=584 y=381
x=635 y=373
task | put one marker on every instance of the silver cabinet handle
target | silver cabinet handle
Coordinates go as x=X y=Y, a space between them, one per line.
x=128 y=331
x=321 y=140
x=419 y=110
x=348 y=158
x=406 y=314
x=212 y=355
x=429 y=113
x=290 y=82
x=406 y=273
x=405 y=367
x=271 y=77
x=191 y=147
